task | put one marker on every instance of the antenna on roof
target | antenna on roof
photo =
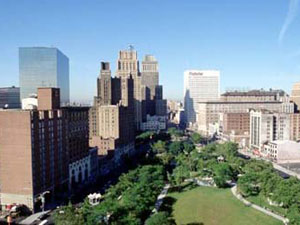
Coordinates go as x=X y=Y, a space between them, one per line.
x=131 y=47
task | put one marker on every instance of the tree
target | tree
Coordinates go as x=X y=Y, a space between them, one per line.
x=130 y=201
x=68 y=215
x=175 y=148
x=188 y=147
x=249 y=184
x=181 y=173
x=294 y=215
x=159 y=147
x=160 y=218
x=165 y=158
x=222 y=174
x=174 y=132
x=196 y=138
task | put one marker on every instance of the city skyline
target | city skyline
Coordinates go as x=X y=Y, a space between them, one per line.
x=247 y=42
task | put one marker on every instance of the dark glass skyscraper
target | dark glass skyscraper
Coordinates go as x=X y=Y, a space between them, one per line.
x=43 y=67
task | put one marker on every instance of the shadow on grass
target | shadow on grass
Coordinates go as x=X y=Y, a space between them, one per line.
x=196 y=223
x=167 y=205
x=183 y=187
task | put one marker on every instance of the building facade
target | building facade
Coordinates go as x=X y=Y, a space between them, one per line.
x=128 y=65
x=10 y=97
x=283 y=151
x=112 y=116
x=255 y=96
x=295 y=127
x=209 y=112
x=199 y=86
x=239 y=123
x=267 y=126
x=43 y=150
x=43 y=67
x=295 y=95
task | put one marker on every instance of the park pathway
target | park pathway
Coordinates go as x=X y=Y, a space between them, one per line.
x=161 y=197
x=267 y=212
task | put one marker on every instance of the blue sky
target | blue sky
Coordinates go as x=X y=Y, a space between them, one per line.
x=255 y=44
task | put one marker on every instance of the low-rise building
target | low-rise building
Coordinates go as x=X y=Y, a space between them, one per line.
x=209 y=112
x=154 y=123
x=295 y=127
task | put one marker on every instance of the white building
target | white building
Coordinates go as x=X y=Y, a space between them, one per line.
x=266 y=126
x=283 y=151
x=199 y=86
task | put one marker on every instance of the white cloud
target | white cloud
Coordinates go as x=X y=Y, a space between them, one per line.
x=292 y=13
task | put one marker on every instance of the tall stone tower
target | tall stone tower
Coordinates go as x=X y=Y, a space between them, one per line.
x=128 y=65
x=112 y=116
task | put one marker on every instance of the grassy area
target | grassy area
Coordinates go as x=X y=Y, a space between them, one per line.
x=262 y=201
x=212 y=206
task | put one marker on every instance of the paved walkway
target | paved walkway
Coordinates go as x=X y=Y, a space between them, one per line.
x=161 y=197
x=265 y=211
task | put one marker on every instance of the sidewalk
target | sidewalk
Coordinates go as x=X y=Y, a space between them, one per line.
x=247 y=203
x=161 y=197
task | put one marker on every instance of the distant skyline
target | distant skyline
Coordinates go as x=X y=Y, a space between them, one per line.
x=254 y=44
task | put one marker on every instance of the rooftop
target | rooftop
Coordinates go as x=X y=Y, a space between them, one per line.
x=255 y=93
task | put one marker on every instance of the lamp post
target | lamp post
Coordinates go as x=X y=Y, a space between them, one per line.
x=43 y=200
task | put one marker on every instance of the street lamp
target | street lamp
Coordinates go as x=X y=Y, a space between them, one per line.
x=43 y=200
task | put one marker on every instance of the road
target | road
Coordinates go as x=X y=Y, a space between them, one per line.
x=276 y=166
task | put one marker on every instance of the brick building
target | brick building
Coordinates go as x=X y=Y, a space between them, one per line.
x=39 y=149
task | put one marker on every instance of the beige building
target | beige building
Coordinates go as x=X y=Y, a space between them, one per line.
x=128 y=64
x=283 y=151
x=295 y=95
x=295 y=127
x=209 y=112
x=112 y=116
x=266 y=126
x=255 y=96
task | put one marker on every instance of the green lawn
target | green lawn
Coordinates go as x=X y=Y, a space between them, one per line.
x=212 y=206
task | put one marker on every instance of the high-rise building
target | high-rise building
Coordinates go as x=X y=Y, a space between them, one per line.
x=150 y=75
x=199 y=86
x=43 y=67
x=43 y=149
x=154 y=107
x=10 y=97
x=295 y=96
x=112 y=116
x=128 y=65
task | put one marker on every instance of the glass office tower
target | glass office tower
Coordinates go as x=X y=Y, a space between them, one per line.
x=43 y=67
